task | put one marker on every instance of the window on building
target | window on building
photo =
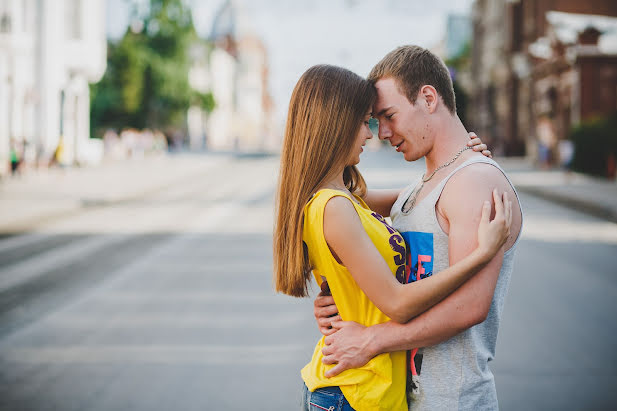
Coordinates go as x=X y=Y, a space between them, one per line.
x=73 y=20
x=5 y=23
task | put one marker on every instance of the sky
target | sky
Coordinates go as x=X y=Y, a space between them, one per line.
x=298 y=34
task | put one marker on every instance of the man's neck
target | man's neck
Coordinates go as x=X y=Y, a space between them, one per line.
x=450 y=137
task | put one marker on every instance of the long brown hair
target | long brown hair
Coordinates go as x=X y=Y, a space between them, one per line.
x=325 y=114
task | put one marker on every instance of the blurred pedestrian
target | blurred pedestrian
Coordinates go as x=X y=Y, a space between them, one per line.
x=16 y=157
x=58 y=158
x=565 y=148
x=324 y=224
x=547 y=141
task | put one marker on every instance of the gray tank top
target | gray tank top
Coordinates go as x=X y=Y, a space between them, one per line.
x=454 y=374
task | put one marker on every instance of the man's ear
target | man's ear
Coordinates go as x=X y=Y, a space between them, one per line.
x=431 y=98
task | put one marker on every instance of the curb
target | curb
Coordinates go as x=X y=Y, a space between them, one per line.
x=577 y=204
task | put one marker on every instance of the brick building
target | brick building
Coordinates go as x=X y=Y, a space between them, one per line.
x=539 y=67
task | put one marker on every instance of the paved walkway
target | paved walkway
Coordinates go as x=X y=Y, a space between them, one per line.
x=48 y=194
x=45 y=195
x=588 y=194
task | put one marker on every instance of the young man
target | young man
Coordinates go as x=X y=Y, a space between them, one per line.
x=437 y=216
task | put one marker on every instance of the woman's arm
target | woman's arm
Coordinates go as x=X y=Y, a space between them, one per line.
x=354 y=249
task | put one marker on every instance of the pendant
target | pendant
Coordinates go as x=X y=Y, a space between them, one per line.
x=411 y=200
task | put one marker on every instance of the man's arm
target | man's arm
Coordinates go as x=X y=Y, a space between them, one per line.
x=353 y=345
x=381 y=200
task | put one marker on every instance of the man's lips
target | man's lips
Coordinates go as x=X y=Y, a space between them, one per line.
x=397 y=146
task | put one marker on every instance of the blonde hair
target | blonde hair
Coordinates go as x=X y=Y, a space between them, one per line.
x=325 y=114
x=413 y=67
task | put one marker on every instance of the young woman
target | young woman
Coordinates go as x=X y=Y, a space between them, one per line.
x=323 y=225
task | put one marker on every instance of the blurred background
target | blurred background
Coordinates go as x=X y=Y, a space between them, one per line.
x=139 y=145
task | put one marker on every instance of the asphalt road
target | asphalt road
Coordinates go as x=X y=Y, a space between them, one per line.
x=165 y=302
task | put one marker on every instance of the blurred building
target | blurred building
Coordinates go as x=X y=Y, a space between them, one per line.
x=236 y=71
x=49 y=51
x=458 y=34
x=539 y=67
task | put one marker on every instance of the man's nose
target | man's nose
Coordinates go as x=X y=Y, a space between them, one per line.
x=384 y=132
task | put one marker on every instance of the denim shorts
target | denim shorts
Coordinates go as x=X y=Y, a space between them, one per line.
x=325 y=399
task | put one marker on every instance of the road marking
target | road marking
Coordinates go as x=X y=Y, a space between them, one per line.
x=174 y=320
x=22 y=240
x=157 y=354
x=212 y=219
x=25 y=271
x=236 y=297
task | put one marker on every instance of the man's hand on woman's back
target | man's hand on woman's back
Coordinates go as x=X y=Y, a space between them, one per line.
x=325 y=310
x=349 y=348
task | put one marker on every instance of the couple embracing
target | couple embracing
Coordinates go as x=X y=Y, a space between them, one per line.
x=409 y=311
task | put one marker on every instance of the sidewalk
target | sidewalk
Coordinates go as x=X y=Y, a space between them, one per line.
x=45 y=195
x=590 y=195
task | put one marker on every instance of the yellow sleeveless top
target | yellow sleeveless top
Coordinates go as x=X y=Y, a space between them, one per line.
x=380 y=384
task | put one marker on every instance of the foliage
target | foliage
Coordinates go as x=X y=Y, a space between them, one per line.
x=146 y=82
x=594 y=141
x=462 y=61
x=204 y=100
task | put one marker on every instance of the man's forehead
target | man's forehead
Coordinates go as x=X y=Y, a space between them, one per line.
x=390 y=94
x=379 y=108
x=387 y=85
x=382 y=103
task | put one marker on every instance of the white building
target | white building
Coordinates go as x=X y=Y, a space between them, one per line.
x=236 y=72
x=49 y=51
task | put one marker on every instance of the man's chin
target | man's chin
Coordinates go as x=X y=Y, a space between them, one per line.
x=410 y=156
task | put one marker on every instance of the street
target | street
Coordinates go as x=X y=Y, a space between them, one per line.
x=164 y=301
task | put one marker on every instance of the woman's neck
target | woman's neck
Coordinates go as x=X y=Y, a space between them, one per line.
x=336 y=183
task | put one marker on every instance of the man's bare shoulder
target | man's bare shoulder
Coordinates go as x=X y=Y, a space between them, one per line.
x=479 y=172
x=473 y=184
x=466 y=191
x=476 y=180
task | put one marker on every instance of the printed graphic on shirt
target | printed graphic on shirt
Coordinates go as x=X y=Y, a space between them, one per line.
x=419 y=256
x=398 y=246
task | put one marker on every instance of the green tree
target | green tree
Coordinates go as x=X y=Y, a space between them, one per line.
x=146 y=81
x=595 y=146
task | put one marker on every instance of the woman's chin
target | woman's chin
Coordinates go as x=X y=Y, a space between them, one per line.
x=354 y=162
